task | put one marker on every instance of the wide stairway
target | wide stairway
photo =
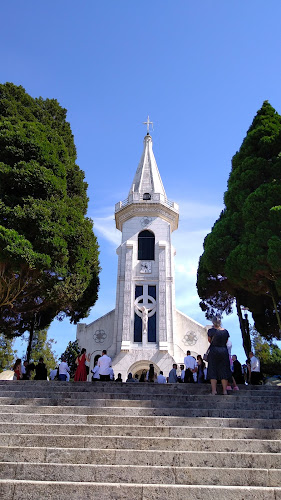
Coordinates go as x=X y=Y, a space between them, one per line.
x=103 y=441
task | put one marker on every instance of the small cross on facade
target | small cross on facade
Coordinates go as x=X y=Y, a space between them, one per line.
x=148 y=123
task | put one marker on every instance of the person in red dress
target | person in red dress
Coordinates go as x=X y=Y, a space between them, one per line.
x=17 y=369
x=81 y=373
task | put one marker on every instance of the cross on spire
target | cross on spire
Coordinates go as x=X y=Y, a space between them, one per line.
x=148 y=123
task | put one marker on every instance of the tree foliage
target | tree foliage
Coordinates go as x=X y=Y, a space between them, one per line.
x=7 y=353
x=268 y=353
x=41 y=347
x=242 y=254
x=48 y=251
x=71 y=352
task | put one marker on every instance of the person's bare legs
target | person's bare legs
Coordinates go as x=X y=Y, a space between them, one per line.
x=214 y=386
x=224 y=384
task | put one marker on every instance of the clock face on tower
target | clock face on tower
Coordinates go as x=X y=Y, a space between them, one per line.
x=145 y=267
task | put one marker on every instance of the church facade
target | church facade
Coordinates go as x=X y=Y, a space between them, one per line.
x=145 y=326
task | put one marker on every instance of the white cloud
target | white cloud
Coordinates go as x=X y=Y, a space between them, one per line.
x=105 y=226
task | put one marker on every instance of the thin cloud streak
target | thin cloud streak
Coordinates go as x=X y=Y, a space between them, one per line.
x=105 y=226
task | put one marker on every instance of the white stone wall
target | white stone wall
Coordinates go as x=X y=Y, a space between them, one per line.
x=97 y=336
x=137 y=359
x=162 y=275
x=189 y=335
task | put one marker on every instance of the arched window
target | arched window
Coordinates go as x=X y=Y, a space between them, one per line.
x=146 y=196
x=146 y=243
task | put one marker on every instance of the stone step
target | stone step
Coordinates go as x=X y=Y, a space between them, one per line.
x=141 y=474
x=75 y=425
x=157 y=400
x=32 y=490
x=77 y=411
x=112 y=387
x=220 y=402
x=134 y=389
x=140 y=443
x=151 y=458
x=150 y=411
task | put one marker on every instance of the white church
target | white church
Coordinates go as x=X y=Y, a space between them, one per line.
x=145 y=326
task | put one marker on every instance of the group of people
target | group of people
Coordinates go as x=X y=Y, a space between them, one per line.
x=102 y=367
x=24 y=371
x=221 y=367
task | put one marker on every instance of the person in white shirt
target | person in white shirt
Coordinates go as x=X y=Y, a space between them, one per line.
x=53 y=373
x=190 y=365
x=96 y=371
x=255 y=369
x=104 y=364
x=63 y=369
x=161 y=379
x=111 y=374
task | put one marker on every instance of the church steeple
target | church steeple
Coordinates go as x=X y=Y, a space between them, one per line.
x=147 y=196
x=147 y=178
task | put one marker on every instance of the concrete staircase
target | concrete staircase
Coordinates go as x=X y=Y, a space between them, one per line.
x=62 y=440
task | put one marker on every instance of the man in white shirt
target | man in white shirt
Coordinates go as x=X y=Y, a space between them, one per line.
x=161 y=379
x=190 y=367
x=255 y=369
x=104 y=364
x=63 y=369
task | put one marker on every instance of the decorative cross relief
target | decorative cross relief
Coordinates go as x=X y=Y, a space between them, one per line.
x=145 y=307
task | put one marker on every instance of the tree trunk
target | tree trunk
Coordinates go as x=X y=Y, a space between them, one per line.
x=275 y=299
x=244 y=327
x=31 y=333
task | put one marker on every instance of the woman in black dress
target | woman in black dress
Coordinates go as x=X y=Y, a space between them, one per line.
x=218 y=358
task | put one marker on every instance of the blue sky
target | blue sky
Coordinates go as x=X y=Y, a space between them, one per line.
x=200 y=69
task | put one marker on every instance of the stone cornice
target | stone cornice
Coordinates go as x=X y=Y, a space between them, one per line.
x=147 y=209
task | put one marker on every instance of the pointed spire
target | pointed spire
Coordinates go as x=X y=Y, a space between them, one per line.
x=147 y=177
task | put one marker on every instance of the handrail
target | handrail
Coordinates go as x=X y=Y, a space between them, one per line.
x=129 y=201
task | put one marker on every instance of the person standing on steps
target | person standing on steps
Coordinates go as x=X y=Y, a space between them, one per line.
x=218 y=359
x=150 y=373
x=255 y=369
x=237 y=370
x=200 y=370
x=63 y=369
x=173 y=378
x=104 y=364
x=81 y=373
x=41 y=370
x=161 y=379
x=190 y=367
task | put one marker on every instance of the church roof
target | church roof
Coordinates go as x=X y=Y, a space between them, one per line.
x=147 y=177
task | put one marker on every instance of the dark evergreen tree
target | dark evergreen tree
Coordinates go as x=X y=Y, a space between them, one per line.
x=71 y=353
x=48 y=252
x=242 y=254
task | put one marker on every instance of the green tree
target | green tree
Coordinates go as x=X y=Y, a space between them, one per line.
x=42 y=347
x=7 y=353
x=48 y=252
x=241 y=258
x=268 y=353
x=71 y=353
